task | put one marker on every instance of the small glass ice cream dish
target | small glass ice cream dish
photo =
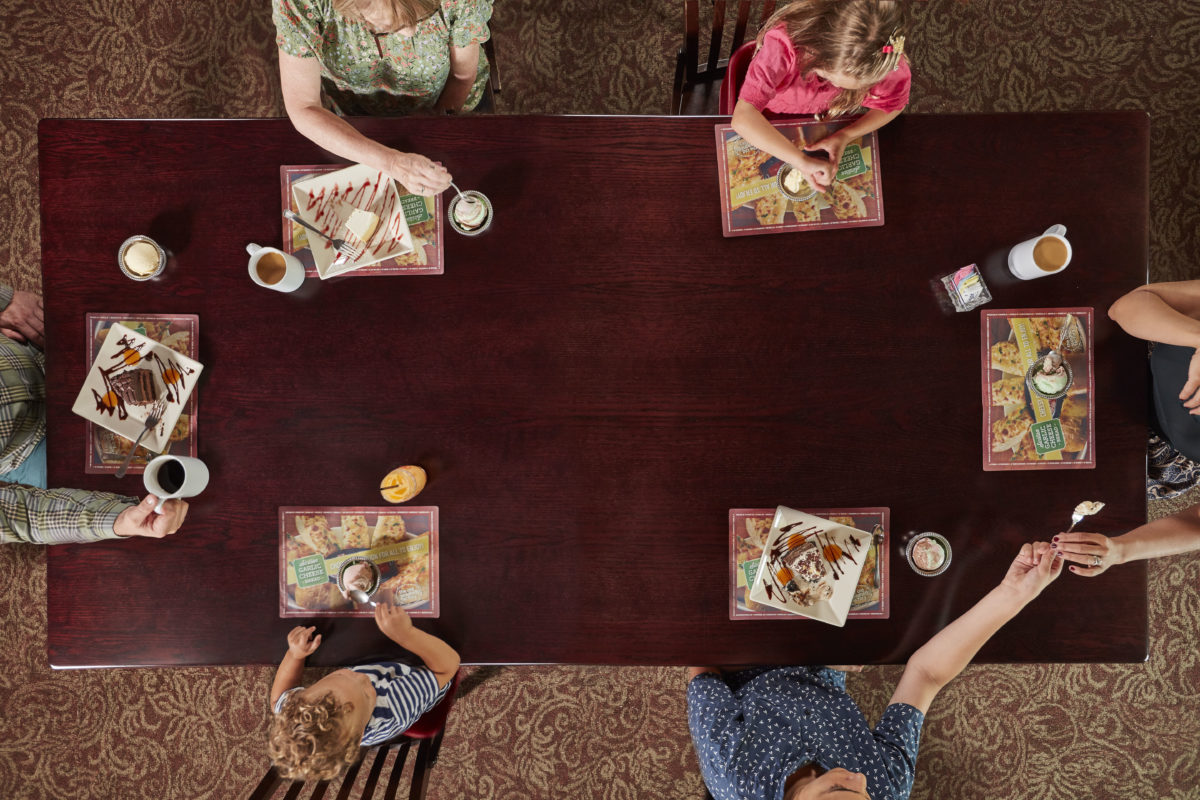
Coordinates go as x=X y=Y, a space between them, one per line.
x=928 y=554
x=141 y=258
x=358 y=573
x=793 y=184
x=1049 y=377
x=470 y=213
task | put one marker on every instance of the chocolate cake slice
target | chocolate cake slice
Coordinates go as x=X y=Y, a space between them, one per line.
x=136 y=386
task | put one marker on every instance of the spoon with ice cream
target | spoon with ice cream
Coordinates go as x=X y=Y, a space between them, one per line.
x=360 y=597
x=1084 y=509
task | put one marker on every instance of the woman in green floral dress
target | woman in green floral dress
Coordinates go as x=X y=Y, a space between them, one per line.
x=382 y=57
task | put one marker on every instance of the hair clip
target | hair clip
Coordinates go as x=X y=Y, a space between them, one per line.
x=895 y=44
x=887 y=48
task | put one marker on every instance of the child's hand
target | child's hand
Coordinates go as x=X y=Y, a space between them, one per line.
x=818 y=173
x=302 y=643
x=394 y=622
x=1034 y=568
x=833 y=144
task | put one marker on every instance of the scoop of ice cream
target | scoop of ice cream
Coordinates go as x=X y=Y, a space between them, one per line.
x=1089 y=507
x=141 y=258
x=928 y=555
x=359 y=575
x=793 y=181
x=470 y=212
x=1052 y=383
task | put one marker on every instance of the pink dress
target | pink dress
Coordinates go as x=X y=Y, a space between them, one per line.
x=775 y=83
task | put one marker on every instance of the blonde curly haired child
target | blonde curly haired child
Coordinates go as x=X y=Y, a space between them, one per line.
x=318 y=731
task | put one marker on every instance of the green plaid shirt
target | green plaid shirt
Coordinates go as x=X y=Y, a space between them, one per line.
x=22 y=397
x=58 y=516
x=27 y=514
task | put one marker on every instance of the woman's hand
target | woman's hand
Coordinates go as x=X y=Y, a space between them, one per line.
x=1191 y=390
x=418 y=174
x=833 y=144
x=1034 y=568
x=1084 y=548
x=302 y=643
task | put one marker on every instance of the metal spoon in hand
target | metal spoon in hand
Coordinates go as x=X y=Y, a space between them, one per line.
x=1084 y=509
x=360 y=597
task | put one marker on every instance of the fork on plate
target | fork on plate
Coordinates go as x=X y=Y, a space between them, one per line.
x=346 y=250
x=156 y=415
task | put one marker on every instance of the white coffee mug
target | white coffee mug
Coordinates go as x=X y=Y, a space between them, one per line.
x=1041 y=255
x=169 y=477
x=287 y=281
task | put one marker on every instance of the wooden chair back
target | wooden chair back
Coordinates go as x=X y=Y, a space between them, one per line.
x=697 y=83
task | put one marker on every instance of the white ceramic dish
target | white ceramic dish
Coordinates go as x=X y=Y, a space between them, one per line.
x=175 y=377
x=327 y=201
x=835 y=609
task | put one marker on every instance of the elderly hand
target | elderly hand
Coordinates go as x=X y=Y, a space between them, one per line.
x=1034 y=568
x=1095 y=551
x=418 y=174
x=302 y=643
x=140 y=520
x=22 y=319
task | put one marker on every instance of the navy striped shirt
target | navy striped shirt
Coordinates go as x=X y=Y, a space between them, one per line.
x=402 y=695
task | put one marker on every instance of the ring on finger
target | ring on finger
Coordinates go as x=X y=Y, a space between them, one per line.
x=1097 y=561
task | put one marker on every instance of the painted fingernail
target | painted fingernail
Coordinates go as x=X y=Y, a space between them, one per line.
x=1072 y=569
x=1055 y=539
x=1053 y=546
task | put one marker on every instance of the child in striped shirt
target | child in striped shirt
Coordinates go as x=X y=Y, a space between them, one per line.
x=317 y=731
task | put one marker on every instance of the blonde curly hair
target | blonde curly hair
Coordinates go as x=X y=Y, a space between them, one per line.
x=401 y=13
x=863 y=39
x=309 y=740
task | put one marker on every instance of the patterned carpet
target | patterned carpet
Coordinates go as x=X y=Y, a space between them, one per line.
x=1045 y=732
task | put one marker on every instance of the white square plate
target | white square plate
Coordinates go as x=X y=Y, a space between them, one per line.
x=327 y=201
x=834 y=610
x=175 y=377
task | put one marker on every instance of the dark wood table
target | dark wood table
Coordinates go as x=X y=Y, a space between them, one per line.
x=595 y=382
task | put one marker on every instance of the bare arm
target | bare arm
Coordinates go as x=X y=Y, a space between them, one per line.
x=290 y=674
x=752 y=126
x=1178 y=533
x=441 y=658
x=300 y=79
x=464 y=64
x=1161 y=312
x=836 y=142
x=944 y=656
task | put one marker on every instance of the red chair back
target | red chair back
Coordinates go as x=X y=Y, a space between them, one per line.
x=433 y=721
x=739 y=62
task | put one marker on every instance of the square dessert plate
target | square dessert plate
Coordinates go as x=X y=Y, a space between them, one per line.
x=173 y=376
x=327 y=201
x=853 y=543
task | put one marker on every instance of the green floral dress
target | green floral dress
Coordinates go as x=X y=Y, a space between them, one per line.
x=367 y=73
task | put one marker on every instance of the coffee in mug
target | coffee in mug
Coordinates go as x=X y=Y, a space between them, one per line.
x=1050 y=254
x=274 y=269
x=168 y=477
x=1043 y=255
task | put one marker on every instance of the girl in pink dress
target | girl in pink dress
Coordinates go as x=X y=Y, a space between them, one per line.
x=825 y=57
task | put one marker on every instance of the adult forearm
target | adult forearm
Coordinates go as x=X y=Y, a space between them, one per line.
x=454 y=93
x=947 y=654
x=58 y=516
x=1178 y=533
x=340 y=137
x=1161 y=313
x=289 y=675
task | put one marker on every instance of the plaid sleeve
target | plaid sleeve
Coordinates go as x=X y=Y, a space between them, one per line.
x=468 y=21
x=6 y=295
x=58 y=516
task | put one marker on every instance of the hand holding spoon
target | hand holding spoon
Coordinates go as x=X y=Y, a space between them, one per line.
x=360 y=597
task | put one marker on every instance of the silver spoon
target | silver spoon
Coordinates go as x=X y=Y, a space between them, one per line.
x=461 y=196
x=360 y=597
x=1084 y=509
